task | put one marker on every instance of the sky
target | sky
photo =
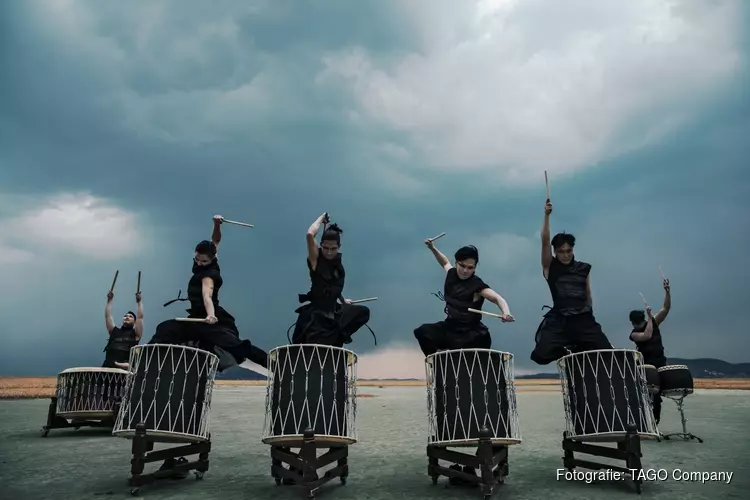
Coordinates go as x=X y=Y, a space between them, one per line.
x=126 y=126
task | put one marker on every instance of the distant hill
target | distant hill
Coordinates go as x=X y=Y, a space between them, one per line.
x=700 y=368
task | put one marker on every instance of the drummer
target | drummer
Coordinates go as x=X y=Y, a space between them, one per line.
x=462 y=290
x=123 y=337
x=328 y=318
x=646 y=335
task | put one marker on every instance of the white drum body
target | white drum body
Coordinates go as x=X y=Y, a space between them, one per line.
x=468 y=389
x=604 y=391
x=311 y=386
x=89 y=393
x=168 y=391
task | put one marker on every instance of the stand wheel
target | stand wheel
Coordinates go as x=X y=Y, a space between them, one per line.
x=77 y=427
x=487 y=496
x=699 y=440
x=343 y=480
x=134 y=491
x=278 y=481
x=198 y=475
x=638 y=487
x=666 y=438
x=434 y=479
x=45 y=432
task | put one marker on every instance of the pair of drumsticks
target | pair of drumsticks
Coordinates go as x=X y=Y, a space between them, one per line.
x=664 y=280
x=114 y=281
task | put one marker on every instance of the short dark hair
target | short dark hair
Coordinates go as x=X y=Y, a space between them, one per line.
x=131 y=313
x=206 y=247
x=467 y=252
x=332 y=233
x=637 y=316
x=562 y=238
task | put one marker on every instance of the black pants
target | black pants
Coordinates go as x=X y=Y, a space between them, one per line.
x=329 y=327
x=448 y=335
x=224 y=336
x=556 y=332
x=658 y=362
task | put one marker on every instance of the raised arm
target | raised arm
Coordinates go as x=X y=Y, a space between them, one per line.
x=138 y=317
x=646 y=334
x=207 y=287
x=312 y=244
x=441 y=259
x=108 y=321
x=546 y=243
x=661 y=315
x=497 y=299
x=216 y=232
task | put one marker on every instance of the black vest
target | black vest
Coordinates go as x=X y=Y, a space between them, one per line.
x=567 y=284
x=326 y=282
x=195 y=289
x=118 y=346
x=653 y=348
x=459 y=296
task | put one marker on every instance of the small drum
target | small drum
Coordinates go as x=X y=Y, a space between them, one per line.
x=89 y=393
x=652 y=379
x=169 y=391
x=468 y=389
x=603 y=391
x=676 y=380
x=311 y=386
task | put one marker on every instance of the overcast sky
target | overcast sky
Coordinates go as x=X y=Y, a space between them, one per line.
x=126 y=125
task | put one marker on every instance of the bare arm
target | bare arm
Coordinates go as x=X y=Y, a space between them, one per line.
x=661 y=315
x=108 y=321
x=646 y=334
x=208 y=290
x=312 y=245
x=589 y=298
x=497 y=299
x=138 y=318
x=546 y=242
x=216 y=232
x=441 y=259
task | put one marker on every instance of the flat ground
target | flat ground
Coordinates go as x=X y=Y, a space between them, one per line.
x=388 y=462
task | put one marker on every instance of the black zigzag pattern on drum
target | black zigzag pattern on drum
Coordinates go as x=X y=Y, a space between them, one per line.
x=603 y=391
x=169 y=391
x=312 y=387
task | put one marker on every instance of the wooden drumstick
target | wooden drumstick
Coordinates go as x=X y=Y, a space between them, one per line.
x=664 y=278
x=227 y=221
x=364 y=300
x=437 y=237
x=191 y=320
x=479 y=311
x=138 y=288
x=112 y=288
x=546 y=183
x=645 y=304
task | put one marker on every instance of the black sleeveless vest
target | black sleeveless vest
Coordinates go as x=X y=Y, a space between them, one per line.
x=567 y=284
x=327 y=282
x=459 y=296
x=118 y=346
x=653 y=348
x=195 y=289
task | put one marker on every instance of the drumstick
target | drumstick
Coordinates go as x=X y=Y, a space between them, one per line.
x=112 y=288
x=364 y=300
x=664 y=278
x=546 y=183
x=227 y=221
x=478 y=311
x=138 y=289
x=645 y=304
x=192 y=320
x=437 y=237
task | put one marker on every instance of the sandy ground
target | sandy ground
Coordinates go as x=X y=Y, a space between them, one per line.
x=387 y=463
x=35 y=387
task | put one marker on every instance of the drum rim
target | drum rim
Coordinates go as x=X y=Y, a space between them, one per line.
x=475 y=441
x=609 y=435
x=673 y=367
x=84 y=369
x=570 y=356
x=334 y=348
x=182 y=436
x=180 y=346
x=281 y=438
x=448 y=352
x=86 y=414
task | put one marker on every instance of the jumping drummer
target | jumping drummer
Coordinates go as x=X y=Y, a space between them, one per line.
x=328 y=318
x=462 y=290
x=123 y=337
x=218 y=333
x=647 y=337
x=570 y=323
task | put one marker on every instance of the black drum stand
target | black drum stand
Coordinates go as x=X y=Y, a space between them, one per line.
x=628 y=449
x=304 y=465
x=142 y=449
x=56 y=422
x=687 y=436
x=492 y=462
